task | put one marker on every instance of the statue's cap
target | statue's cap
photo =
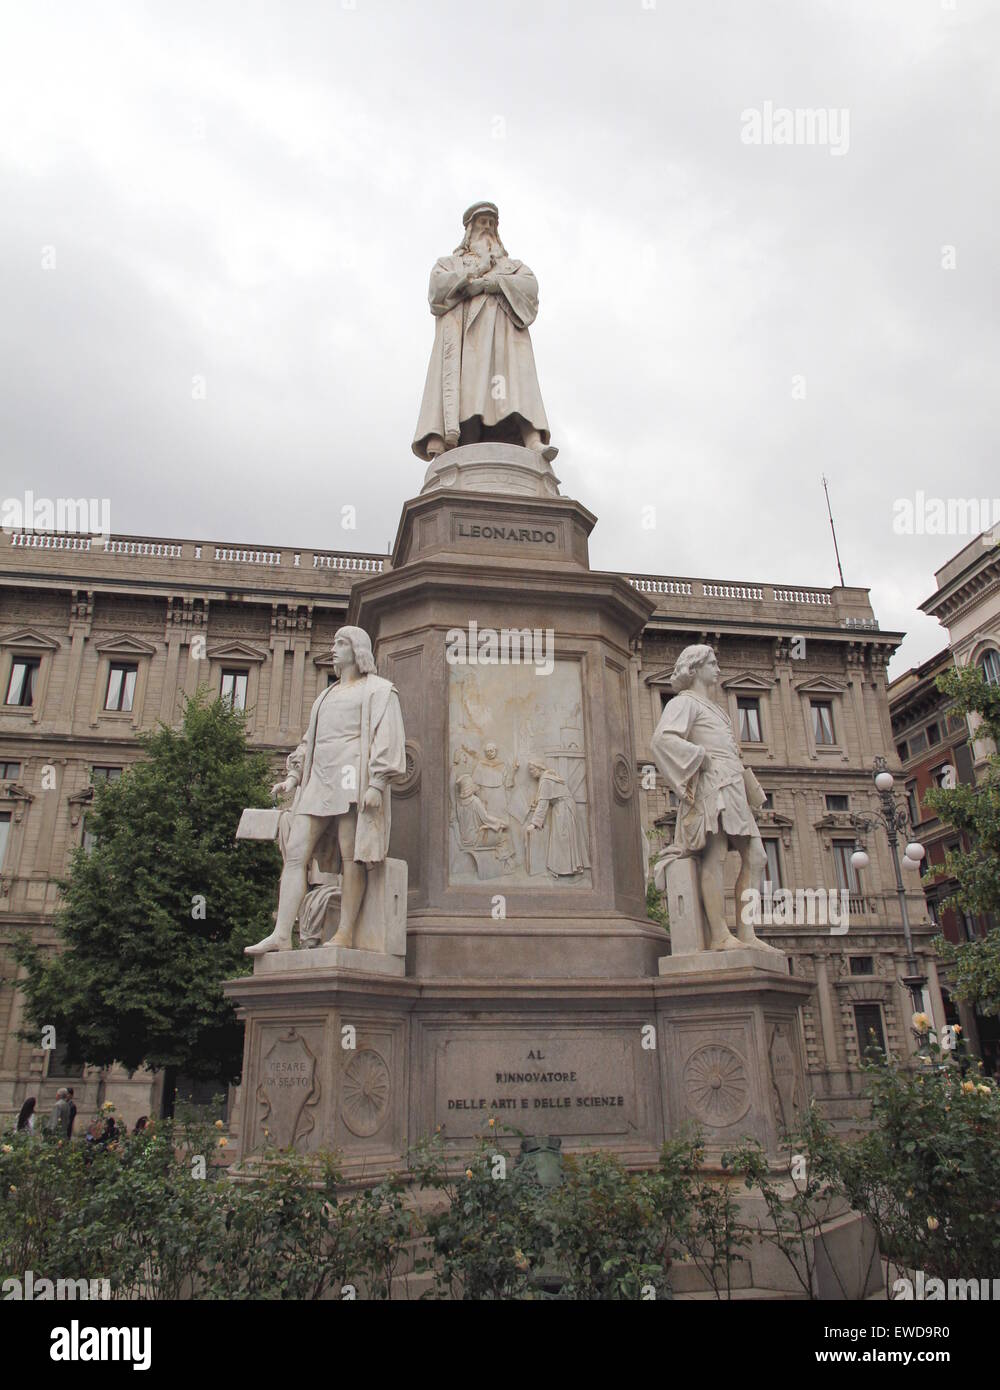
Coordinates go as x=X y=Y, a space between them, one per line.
x=470 y=213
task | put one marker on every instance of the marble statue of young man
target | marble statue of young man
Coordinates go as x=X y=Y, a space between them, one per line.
x=698 y=756
x=481 y=381
x=341 y=774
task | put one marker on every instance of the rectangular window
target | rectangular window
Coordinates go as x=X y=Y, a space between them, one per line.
x=990 y=666
x=911 y=803
x=868 y=1021
x=749 y=711
x=23 y=684
x=772 y=870
x=902 y=752
x=768 y=801
x=862 y=965
x=918 y=742
x=234 y=688
x=4 y=833
x=9 y=772
x=968 y=926
x=944 y=776
x=933 y=734
x=822 y=721
x=121 y=686
x=847 y=876
x=837 y=802
x=58 y=1065
x=100 y=773
x=103 y=773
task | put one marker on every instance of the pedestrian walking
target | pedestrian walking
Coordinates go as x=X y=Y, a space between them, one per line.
x=26 y=1117
x=59 y=1121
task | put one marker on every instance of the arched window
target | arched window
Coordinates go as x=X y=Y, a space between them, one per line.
x=989 y=664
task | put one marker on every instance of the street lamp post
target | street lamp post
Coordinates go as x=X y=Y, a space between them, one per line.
x=894 y=820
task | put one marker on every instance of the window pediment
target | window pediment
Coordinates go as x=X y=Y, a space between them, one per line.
x=820 y=685
x=747 y=681
x=31 y=640
x=235 y=652
x=124 y=645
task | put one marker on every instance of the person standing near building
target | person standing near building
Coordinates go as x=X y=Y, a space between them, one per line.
x=59 y=1121
x=26 y=1117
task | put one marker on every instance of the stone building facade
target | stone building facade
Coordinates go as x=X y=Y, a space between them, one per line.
x=100 y=638
x=934 y=748
x=966 y=601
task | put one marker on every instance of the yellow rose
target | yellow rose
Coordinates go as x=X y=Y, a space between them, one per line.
x=933 y=1223
x=968 y=1087
x=984 y=1090
x=492 y=1122
x=12 y=1189
x=921 y=1023
x=108 y=1105
x=8 y=1148
x=223 y=1142
x=956 y=1028
x=468 y=1172
x=219 y=1124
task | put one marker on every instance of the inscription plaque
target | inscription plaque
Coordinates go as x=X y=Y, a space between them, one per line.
x=574 y=1083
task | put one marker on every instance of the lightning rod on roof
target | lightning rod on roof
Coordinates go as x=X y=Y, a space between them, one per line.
x=833 y=528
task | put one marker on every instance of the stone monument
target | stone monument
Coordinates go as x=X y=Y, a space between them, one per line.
x=696 y=752
x=341 y=776
x=536 y=989
x=481 y=381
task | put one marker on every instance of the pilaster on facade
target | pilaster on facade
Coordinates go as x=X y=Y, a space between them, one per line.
x=186 y=637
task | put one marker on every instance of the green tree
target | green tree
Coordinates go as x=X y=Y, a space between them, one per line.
x=975 y=811
x=158 y=913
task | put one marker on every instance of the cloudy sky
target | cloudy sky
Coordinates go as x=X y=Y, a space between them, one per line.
x=218 y=220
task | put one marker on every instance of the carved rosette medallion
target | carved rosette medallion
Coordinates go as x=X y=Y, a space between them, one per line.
x=715 y=1077
x=622 y=779
x=410 y=781
x=365 y=1090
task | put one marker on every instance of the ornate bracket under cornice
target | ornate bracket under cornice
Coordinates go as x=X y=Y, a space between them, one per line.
x=773 y=820
x=17 y=797
x=78 y=803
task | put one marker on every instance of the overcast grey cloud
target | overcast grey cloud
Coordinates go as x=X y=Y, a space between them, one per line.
x=254 y=194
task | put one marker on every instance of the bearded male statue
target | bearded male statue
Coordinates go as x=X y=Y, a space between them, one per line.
x=341 y=774
x=481 y=381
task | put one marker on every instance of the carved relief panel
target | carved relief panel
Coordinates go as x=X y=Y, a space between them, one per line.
x=517 y=785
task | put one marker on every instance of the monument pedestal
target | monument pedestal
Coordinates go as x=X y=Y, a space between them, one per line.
x=537 y=991
x=370 y=1063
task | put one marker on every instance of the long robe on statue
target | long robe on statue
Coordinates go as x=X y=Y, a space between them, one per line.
x=482 y=362
x=565 y=849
